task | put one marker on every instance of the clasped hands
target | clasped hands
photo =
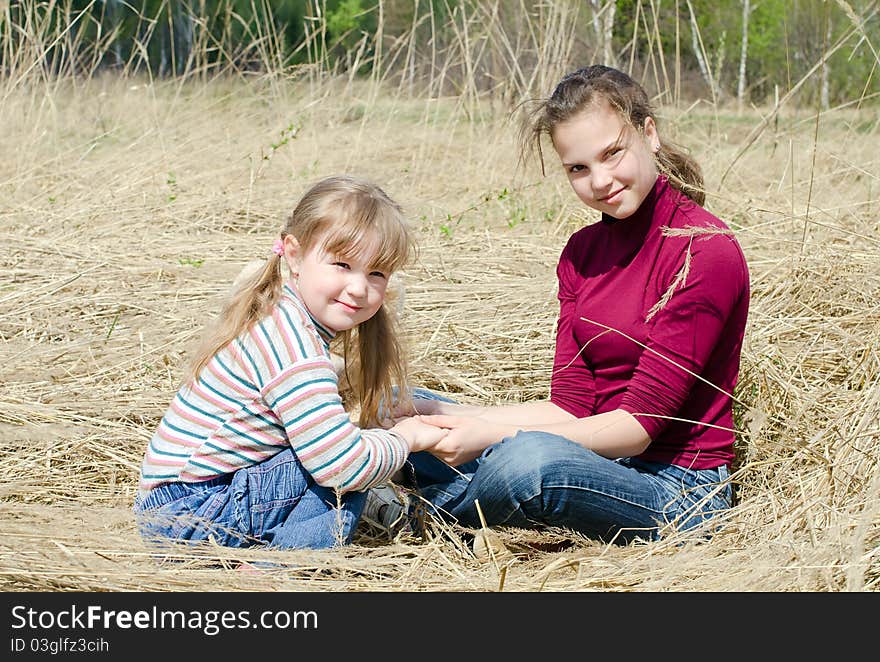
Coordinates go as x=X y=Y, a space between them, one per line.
x=451 y=432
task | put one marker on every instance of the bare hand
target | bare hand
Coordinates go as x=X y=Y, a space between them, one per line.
x=420 y=435
x=468 y=437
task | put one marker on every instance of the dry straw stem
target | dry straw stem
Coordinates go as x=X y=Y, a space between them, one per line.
x=127 y=207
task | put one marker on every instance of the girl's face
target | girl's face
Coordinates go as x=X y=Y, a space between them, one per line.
x=609 y=164
x=339 y=291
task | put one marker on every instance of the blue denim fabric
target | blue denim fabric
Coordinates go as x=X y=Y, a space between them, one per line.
x=536 y=478
x=275 y=503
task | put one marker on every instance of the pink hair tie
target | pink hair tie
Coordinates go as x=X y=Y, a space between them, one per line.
x=278 y=247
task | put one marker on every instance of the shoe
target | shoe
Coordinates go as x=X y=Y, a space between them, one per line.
x=387 y=508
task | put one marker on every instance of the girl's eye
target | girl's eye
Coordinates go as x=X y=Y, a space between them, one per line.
x=379 y=274
x=576 y=168
x=341 y=265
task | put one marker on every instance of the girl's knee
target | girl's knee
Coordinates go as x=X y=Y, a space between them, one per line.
x=512 y=475
x=519 y=465
x=527 y=450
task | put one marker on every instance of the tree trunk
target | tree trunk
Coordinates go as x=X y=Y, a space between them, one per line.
x=743 y=55
x=607 y=40
x=702 y=60
x=603 y=28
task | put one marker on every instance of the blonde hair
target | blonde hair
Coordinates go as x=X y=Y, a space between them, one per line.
x=346 y=215
x=586 y=87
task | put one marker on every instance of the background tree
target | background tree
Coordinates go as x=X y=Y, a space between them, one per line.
x=508 y=48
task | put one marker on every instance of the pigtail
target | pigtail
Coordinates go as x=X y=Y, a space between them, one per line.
x=374 y=366
x=251 y=299
x=683 y=172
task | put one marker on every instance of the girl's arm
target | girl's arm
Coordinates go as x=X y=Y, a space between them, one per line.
x=611 y=434
x=338 y=454
x=540 y=412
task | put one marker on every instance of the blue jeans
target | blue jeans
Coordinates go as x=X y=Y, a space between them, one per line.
x=275 y=503
x=538 y=479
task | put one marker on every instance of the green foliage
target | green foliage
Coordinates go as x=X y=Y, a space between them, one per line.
x=171 y=182
x=346 y=21
x=457 y=46
x=447 y=226
x=786 y=39
x=287 y=134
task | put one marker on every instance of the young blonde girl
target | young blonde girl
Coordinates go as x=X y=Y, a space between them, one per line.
x=256 y=447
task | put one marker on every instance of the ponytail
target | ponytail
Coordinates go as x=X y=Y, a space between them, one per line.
x=683 y=172
x=250 y=301
x=374 y=364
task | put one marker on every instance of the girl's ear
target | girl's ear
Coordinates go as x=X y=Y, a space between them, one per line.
x=292 y=254
x=652 y=138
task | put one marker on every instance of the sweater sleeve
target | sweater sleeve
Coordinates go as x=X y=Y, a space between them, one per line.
x=686 y=332
x=330 y=447
x=572 y=377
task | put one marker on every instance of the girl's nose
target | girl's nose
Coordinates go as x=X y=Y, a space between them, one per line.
x=357 y=285
x=601 y=179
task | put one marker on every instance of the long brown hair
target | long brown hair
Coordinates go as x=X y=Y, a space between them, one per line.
x=345 y=215
x=582 y=90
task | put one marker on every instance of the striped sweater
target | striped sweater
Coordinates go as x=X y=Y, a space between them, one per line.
x=272 y=387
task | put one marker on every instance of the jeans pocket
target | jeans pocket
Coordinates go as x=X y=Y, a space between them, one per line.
x=693 y=496
x=723 y=488
x=273 y=490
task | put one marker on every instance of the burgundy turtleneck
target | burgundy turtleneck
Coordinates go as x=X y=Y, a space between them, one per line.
x=613 y=353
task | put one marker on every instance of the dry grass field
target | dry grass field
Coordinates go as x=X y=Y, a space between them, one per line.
x=127 y=208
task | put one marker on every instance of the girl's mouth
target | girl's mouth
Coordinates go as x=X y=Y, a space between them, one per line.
x=613 y=197
x=348 y=306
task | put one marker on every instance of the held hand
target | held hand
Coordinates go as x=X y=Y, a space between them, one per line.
x=429 y=406
x=420 y=435
x=468 y=437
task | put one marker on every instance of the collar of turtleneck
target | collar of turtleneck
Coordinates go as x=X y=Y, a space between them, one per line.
x=323 y=332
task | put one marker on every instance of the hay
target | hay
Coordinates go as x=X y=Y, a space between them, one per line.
x=127 y=210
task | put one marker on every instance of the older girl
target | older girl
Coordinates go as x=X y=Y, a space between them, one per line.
x=637 y=435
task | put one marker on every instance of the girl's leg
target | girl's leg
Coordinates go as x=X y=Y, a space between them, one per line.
x=694 y=496
x=535 y=479
x=276 y=503
x=193 y=512
x=437 y=483
x=289 y=510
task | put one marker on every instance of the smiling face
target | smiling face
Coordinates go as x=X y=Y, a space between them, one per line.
x=340 y=291
x=609 y=164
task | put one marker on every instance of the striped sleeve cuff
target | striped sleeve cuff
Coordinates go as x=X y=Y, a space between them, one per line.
x=393 y=450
